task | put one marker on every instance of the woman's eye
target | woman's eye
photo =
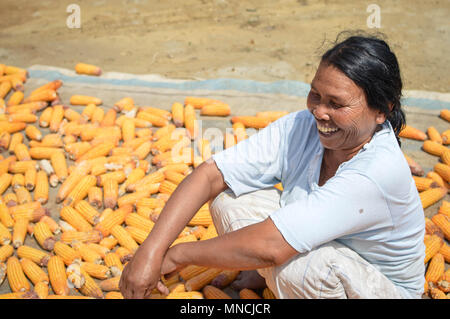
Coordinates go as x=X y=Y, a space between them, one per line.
x=315 y=95
x=334 y=105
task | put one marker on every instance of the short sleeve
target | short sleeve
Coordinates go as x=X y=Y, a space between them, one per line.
x=347 y=204
x=254 y=163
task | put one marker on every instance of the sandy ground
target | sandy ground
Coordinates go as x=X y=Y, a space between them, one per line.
x=260 y=40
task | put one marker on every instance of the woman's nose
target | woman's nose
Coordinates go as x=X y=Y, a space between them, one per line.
x=320 y=112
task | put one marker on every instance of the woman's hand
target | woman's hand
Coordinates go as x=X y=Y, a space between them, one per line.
x=141 y=275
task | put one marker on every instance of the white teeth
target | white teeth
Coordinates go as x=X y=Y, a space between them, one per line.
x=326 y=129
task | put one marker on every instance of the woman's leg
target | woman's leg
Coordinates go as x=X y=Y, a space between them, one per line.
x=329 y=271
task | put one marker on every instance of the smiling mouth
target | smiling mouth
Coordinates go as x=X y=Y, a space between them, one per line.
x=327 y=130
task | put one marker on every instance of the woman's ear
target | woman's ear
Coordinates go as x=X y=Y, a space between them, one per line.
x=380 y=117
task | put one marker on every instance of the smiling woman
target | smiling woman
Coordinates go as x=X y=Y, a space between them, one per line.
x=349 y=221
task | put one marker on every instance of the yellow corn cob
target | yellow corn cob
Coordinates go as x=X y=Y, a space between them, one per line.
x=6 y=163
x=2 y=272
x=436 y=178
x=72 y=115
x=16 y=98
x=435 y=268
x=87 y=254
x=224 y=278
x=12 y=127
x=5 y=87
x=155 y=120
x=111 y=190
x=128 y=130
x=178 y=114
x=67 y=253
x=434 y=134
x=20 y=167
x=109 y=119
x=138 y=234
x=198 y=231
x=36 y=255
x=124 y=104
x=185 y=295
x=445 y=137
x=56 y=118
x=57 y=275
x=190 y=121
x=124 y=254
x=33 y=271
x=272 y=115
x=119 y=176
x=5 y=217
x=101 y=250
x=5 y=252
x=84 y=100
x=23 y=195
x=133 y=198
x=109 y=242
x=143 y=150
x=88 y=110
x=251 y=121
x=211 y=292
x=412 y=133
x=111 y=284
x=200 y=102
x=144 y=133
x=436 y=293
x=5 y=235
x=90 y=287
x=96 y=270
x=431 y=196
x=68 y=297
x=157 y=111
x=124 y=238
x=199 y=281
x=33 y=133
x=44 y=236
x=5 y=182
x=46 y=115
x=248 y=294
x=41 y=289
x=80 y=190
x=98 y=169
x=72 y=180
x=105 y=214
x=19 y=232
x=5 y=139
x=423 y=183
x=211 y=232
x=443 y=222
x=112 y=260
x=239 y=131
x=10 y=199
x=434 y=148
x=113 y=295
x=42 y=187
x=22 y=153
x=433 y=244
x=88 y=212
x=97 y=151
x=88 y=69
x=76 y=150
x=16 y=138
x=134 y=176
x=116 y=218
x=431 y=228
x=445 y=208
x=33 y=211
x=445 y=114
x=167 y=187
x=216 y=110
x=138 y=221
x=18 y=180
x=202 y=217
x=43 y=152
x=75 y=219
x=30 y=178
x=16 y=278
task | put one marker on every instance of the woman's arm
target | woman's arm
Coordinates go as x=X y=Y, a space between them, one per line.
x=141 y=275
x=255 y=246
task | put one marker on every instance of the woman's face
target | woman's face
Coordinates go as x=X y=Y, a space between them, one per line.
x=344 y=120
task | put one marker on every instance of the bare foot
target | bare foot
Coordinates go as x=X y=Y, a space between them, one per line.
x=248 y=279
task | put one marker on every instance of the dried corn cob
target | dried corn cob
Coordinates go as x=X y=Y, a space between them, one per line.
x=124 y=238
x=111 y=284
x=90 y=287
x=109 y=242
x=10 y=199
x=200 y=102
x=225 y=278
x=433 y=148
x=96 y=270
x=216 y=110
x=251 y=121
x=138 y=234
x=445 y=114
x=138 y=221
x=5 y=139
x=111 y=190
x=445 y=137
x=124 y=254
x=5 y=235
x=436 y=293
x=56 y=118
x=155 y=120
x=239 y=131
x=33 y=211
x=119 y=176
x=46 y=116
x=42 y=187
x=178 y=114
x=5 y=252
x=443 y=222
x=272 y=115
x=67 y=253
x=12 y=127
x=22 y=153
x=101 y=250
x=80 y=190
x=16 y=138
x=167 y=187
x=5 y=182
x=75 y=219
x=124 y=104
x=116 y=218
x=248 y=294
x=19 y=232
x=431 y=196
x=412 y=133
x=16 y=278
x=41 y=289
x=84 y=100
x=16 y=98
x=36 y=255
x=72 y=180
x=436 y=178
x=87 y=254
x=433 y=244
x=17 y=181
x=434 y=134
x=415 y=168
x=190 y=121
x=44 y=236
x=88 y=69
x=88 y=212
x=199 y=281
x=5 y=217
x=57 y=275
x=112 y=260
x=211 y=232
x=109 y=119
x=431 y=228
x=211 y=292
x=20 y=167
x=33 y=133
x=33 y=271
x=30 y=178
x=435 y=268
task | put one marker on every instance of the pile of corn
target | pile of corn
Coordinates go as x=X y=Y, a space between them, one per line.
x=432 y=188
x=109 y=173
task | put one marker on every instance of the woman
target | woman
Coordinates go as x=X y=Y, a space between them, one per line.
x=349 y=222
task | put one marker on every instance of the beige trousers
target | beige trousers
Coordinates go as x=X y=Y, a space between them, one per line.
x=328 y=271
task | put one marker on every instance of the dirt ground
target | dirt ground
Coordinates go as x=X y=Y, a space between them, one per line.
x=260 y=40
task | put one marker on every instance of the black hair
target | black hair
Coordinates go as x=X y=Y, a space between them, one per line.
x=369 y=62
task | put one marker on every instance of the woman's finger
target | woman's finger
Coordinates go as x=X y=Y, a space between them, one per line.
x=162 y=288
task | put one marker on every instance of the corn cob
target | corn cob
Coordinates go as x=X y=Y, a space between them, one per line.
x=96 y=270
x=445 y=114
x=251 y=121
x=272 y=115
x=5 y=139
x=435 y=268
x=65 y=226
x=42 y=187
x=443 y=222
x=19 y=232
x=33 y=133
x=71 y=181
x=436 y=178
x=445 y=137
x=268 y=294
x=229 y=140
x=16 y=278
x=20 y=167
x=72 y=115
x=67 y=253
x=434 y=134
x=124 y=104
x=16 y=138
x=424 y=183
x=12 y=127
x=10 y=199
x=75 y=219
x=113 y=295
x=5 y=87
x=124 y=254
x=134 y=176
x=190 y=122
x=44 y=236
x=5 y=235
x=239 y=131
x=155 y=120
x=90 y=287
x=33 y=211
x=138 y=221
x=5 y=217
x=56 y=118
x=133 y=198
x=36 y=255
x=57 y=275
x=198 y=231
x=211 y=232
x=84 y=100
x=109 y=119
x=216 y=110
x=211 y=292
x=433 y=244
x=436 y=293
x=88 y=69
x=185 y=295
x=138 y=234
x=80 y=191
x=5 y=252
x=199 y=281
x=2 y=272
x=41 y=289
x=119 y=176
x=5 y=182
x=431 y=196
x=433 y=148
x=248 y=294
x=178 y=114
x=18 y=180
x=87 y=254
x=16 y=98
x=33 y=271
x=412 y=133
x=124 y=238
x=112 y=260
x=116 y=218
x=445 y=208
x=167 y=187
x=109 y=242
x=76 y=150
x=200 y=102
x=30 y=178
x=46 y=116
x=225 y=278
x=101 y=250
x=111 y=284
x=88 y=212
x=22 y=153
x=42 y=152
x=431 y=228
